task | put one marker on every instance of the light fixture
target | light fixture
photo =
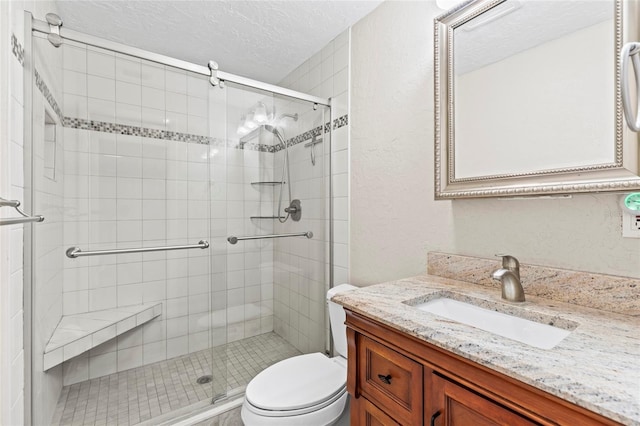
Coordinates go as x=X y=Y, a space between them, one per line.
x=242 y=128
x=257 y=116
x=249 y=122
x=260 y=114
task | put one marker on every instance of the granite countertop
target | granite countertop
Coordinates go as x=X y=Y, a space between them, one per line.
x=596 y=367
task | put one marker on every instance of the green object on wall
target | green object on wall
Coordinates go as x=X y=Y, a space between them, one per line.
x=632 y=202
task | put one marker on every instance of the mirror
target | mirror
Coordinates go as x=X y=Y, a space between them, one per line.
x=528 y=99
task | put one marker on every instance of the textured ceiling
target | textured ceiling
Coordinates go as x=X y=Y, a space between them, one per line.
x=264 y=39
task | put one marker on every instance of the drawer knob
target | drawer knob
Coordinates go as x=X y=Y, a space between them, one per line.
x=385 y=379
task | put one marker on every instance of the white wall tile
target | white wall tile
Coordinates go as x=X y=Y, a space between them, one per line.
x=75 y=302
x=76 y=370
x=152 y=98
x=177 y=346
x=177 y=307
x=175 y=81
x=128 y=93
x=130 y=146
x=197 y=86
x=152 y=75
x=130 y=358
x=177 y=122
x=101 y=88
x=101 y=110
x=128 y=167
x=198 y=341
x=75 y=83
x=75 y=106
x=155 y=331
x=154 y=291
x=176 y=102
x=153 y=118
x=102 y=365
x=102 y=298
x=128 y=70
x=154 y=352
x=101 y=64
x=74 y=58
x=131 y=338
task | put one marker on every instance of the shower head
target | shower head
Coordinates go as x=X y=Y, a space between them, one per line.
x=274 y=129
x=276 y=132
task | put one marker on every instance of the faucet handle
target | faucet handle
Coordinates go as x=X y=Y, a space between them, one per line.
x=511 y=263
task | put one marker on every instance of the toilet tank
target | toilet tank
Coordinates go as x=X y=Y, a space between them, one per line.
x=337 y=317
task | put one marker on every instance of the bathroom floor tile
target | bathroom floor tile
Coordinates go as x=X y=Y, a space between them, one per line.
x=143 y=393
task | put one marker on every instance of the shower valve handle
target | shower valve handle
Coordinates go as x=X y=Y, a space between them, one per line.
x=294 y=210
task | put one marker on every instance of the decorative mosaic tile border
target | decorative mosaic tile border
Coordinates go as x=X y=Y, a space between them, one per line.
x=317 y=131
x=42 y=86
x=123 y=129
x=17 y=49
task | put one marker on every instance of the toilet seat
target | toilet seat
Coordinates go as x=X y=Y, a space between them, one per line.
x=296 y=386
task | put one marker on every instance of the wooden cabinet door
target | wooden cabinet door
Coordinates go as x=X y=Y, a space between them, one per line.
x=391 y=381
x=364 y=413
x=454 y=405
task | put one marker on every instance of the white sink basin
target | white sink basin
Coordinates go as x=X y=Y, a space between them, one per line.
x=532 y=333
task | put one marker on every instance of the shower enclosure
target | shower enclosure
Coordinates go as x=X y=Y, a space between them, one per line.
x=186 y=241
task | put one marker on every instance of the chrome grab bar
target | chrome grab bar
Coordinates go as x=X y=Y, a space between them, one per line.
x=16 y=220
x=232 y=239
x=74 y=252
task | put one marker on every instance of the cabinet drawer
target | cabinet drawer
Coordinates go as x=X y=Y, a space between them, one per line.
x=390 y=380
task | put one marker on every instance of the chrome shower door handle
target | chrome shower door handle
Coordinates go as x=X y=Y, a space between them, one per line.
x=630 y=51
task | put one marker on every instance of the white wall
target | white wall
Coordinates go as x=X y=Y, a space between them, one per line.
x=394 y=219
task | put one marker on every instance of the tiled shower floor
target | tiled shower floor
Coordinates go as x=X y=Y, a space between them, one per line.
x=143 y=393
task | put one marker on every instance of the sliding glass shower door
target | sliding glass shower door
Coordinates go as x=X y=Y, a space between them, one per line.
x=186 y=245
x=122 y=301
x=269 y=226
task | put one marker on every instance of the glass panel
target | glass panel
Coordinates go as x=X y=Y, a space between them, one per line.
x=47 y=195
x=275 y=287
x=151 y=156
x=133 y=166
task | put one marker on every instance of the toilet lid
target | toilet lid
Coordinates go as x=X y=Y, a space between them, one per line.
x=298 y=382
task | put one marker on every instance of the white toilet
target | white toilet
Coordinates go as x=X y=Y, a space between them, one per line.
x=306 y=390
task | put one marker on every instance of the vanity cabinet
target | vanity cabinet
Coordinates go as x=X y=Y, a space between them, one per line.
x=397 y=379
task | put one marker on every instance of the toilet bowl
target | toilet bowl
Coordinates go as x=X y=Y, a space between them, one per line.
x=306 y=390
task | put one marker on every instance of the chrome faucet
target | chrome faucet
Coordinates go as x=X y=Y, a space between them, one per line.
x=509 y=277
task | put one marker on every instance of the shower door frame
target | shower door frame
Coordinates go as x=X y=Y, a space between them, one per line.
x=67 y=34
x=32 y=25
x=28 y=279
